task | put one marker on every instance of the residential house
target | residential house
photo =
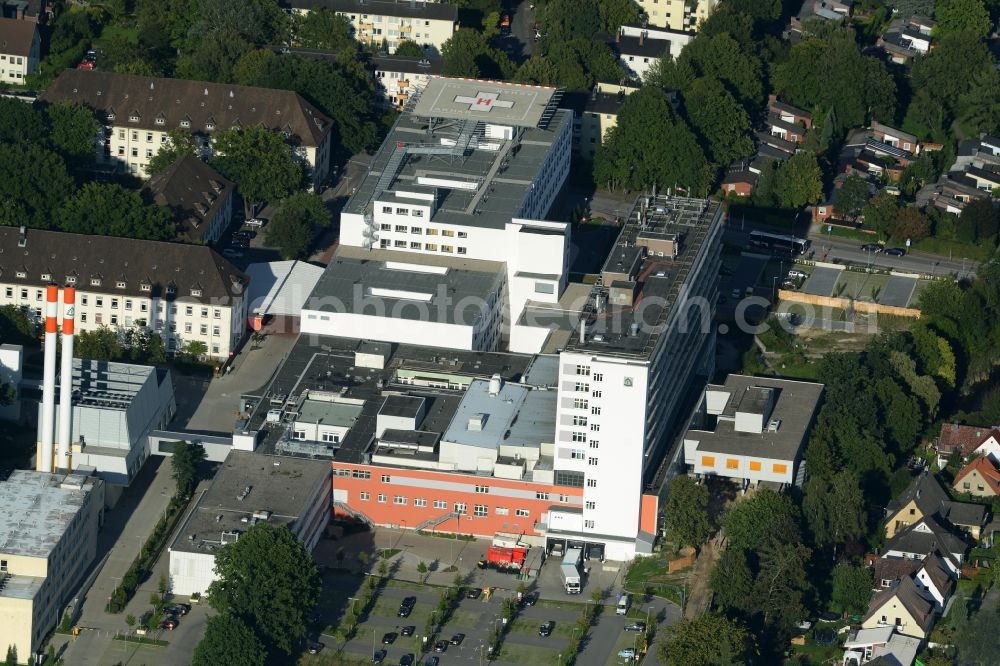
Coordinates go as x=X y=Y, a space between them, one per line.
x=967 y=517
x=924 y=537
x=987 y=180
x=389 y=22
x=894 y=137
x=888 y=571
x=953 y=192
x=786 y=114
x=200 y=198
x=982 y=151
x=677 y=14
x=20 y=46
x=637 y=53
x=739 y=180
x=678 y=39
x=780 y=148
x=33 y=11
x=905 y=39
x=923 y=497
x=879 y=646
x=399 y=77
x=935 y=581
x=594 y=114
x=827 y=10
x=184 y=293
x=966 y=440
x=752 y=430
x=980 y=478
x=902 y=607
x=138 y=112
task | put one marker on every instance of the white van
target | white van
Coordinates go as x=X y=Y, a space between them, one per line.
x=623 y=604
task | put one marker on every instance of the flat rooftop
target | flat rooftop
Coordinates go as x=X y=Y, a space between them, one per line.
x=661 y=282
x=795 y=406
x=108 y=384
x=441 y=139
x=326 y=363
x=278 y=485
x=516 y=415
x=36 y=508
x=519 y=105
x=323 y=412
x=394 y=287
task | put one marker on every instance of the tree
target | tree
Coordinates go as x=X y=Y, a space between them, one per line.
x=942 y=77
x=422 y=570
x=468 y=54
x=20 y=122
x=732 y=582
x=268 y=579
x=651 y=146
x=852 y=588
x=880 y=213
x=15 y=325
x=978 y=639
x=295 y=227
x=910 y=224
x=977 y=107
x=781 y=584
x=100 y=344
x=850 y=198
x=178 y=144
x=704 y=640
x=184 y=466
x=33 y=183
x=228 y=641
x=73 y=131
x=962 y=16
x=195 y=349
x=718 y=118
x=834 y=509
x=11 y=655
x=538 y=70
x=320 y=28
x=799 y=181
x=686 y=512
x=111 y=210
x=130 y=621
x=259 y=162
x=751 y=522
x=981 y=217
x=409 y=49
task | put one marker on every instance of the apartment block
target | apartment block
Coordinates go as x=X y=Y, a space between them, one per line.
x=138 y=112
x=400 y=78
x=389 y=22
x=200 y=198
x=48 y=538
x=20 y=46
x=184 y=293
x=677 y=14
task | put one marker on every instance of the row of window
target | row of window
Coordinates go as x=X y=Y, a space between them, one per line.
x=429 y=231
x=460 y=508
x=414 y=245
x=328 y=437
x=734 y=463
x=127 y=302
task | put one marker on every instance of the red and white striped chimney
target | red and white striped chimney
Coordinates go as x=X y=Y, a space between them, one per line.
x=64 y=461
x=47 y=448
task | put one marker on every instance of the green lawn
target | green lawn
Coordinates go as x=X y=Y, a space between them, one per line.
x=527 y=654
x=627 y=639
x=564 y=628
x=953 y=249
x=115 y=32
x=861 y=235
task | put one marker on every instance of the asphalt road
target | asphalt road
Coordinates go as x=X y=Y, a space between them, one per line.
x=519 y=45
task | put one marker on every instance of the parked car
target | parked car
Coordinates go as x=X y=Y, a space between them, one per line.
x=254 y=222
x=895 y=252
x=457 y=639
x=627 y=653
x=441 y=646
x=828 y=616
x=636 y=626
x=169 y=624
x=406 y=607
x=378 y=657
x=874 y=248
x=473 y=593
x=178 y=609
x=389 y=638
x=798 y=275
x=87 y=64
x=546 y=628
x=530 y=599
x=431 y=661
x=407 y=630
x=406 y=660
x=315 y=647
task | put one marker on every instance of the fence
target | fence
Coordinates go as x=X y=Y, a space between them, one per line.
x=865 y=307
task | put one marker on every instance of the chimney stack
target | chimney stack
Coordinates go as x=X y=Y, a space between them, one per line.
x=642 y=36
x=47 y=450
x=66 y=380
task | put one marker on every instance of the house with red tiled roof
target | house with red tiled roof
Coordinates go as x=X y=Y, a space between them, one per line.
x=963 y=438
x=980 y=478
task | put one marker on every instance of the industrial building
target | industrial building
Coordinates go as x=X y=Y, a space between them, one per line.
x=48 y=538
x=468 y=172
x=753 y=430
x=248 y=489
x=114 y=407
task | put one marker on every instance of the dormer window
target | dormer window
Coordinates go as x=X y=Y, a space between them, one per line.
x=111 y=115
x=185 y=123
x=196 y=292
x=161 y=120
x=145 y=286
x=22 y=274
x=95 y=282
x=120 y=284
x=70 y=279
x=134 y=118
x=171 y=289
x=210 y=125
x=46 y=277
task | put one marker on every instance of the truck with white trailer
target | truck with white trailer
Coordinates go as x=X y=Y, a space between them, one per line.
x=570 y=569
